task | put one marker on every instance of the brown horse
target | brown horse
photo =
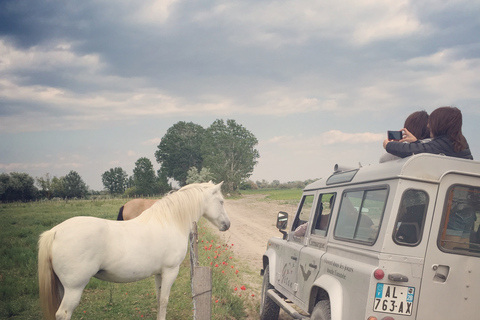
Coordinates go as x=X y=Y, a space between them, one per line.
x=134 y=207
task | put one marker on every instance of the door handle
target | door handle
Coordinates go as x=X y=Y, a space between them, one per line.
x=293 y=258
x=311 y=265
x=441 y=273
x=397 y=277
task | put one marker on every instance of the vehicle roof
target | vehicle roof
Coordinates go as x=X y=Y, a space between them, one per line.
x=426 y=167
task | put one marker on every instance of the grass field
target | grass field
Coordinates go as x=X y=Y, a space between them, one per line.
x=21 y=225
x=289 y=195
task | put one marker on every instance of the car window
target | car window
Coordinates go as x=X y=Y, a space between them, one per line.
x=323 y=213
x=460 y=228
x=411 y=217
x=360 y=215
x=300 y=224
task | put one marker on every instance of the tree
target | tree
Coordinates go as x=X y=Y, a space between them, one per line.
x=45 y=185
x=144 y=177
x=58 y=188
x=180 y=149
x=17 y=186
x=74 y=186
x=162 y=185
x=194 y=176
x=229 y=151
x=115 y=180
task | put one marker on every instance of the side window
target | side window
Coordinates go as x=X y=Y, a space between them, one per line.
x=300 y=224
x=460 y=231
x=360 y=215
x=323 y=213
x=411 y=218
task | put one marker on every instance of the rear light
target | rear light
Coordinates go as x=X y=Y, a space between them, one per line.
x=375 y=318
x=372 y=318
x=379 y=274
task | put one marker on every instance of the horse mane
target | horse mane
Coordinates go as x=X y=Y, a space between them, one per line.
x=179 y=208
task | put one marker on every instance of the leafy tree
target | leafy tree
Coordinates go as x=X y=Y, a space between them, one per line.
x=180 y=149
x=45 y=185
x=4 y=185
x=130 y=192
x=144 y=177
x=17 y=186
x=115 y=180
x=194 y=176
x=74 y=186
x=58 y=188
x=162 y=185
x=229 y=151
x=130 y=182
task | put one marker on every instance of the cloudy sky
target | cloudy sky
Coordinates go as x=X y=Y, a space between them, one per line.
x=92 y=85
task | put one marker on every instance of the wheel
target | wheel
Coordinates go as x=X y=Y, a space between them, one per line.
x=269 y=310
x=321 y=311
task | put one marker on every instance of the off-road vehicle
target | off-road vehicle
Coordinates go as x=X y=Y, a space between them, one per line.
x=394 y=241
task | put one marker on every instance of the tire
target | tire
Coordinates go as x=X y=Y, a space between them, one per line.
x=269 y=310
x=321 y=311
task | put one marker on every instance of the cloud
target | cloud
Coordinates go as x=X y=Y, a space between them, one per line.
x=330 y=137
x=14 y=167
x=279 y=24
x=154 y=141
x=153 y=12
x=336 y=136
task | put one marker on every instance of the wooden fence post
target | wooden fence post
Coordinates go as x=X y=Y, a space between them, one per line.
x=201 y=281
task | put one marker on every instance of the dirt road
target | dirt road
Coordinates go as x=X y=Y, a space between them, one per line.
x=252 y=223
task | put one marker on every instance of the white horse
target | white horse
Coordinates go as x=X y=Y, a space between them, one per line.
x=154 y=243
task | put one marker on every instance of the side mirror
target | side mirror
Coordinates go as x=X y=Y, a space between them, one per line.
x=282 y=220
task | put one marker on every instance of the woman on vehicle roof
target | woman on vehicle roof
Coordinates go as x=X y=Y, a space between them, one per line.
x=417 y=125
x=445 y=124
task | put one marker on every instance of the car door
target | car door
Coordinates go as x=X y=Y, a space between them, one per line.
x=287 y=269
x=310 y=256
x=451 y=274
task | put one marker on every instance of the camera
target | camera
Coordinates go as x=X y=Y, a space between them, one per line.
x=395 y=135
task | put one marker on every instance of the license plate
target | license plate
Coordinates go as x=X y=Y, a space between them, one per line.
x=394 y=299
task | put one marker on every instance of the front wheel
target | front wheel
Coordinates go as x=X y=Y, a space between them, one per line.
x=269 y=310
x=321 y=311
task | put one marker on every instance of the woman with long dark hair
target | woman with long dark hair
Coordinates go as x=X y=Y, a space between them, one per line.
x=416 y=124
x=445 y=124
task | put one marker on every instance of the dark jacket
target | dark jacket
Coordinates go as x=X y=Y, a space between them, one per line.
x=439 y=145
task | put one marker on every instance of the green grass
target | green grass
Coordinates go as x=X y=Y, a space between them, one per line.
x=21 y=225
x=277 y=194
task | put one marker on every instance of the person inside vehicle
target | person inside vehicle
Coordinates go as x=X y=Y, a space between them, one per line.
x=461 y=221
x=322 y=220
x=417 y=125
x=301 y=230
x=445 y=124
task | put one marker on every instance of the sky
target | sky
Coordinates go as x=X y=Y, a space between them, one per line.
x=93 y=85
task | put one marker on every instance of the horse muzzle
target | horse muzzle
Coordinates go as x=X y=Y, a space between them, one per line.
x=224 y=226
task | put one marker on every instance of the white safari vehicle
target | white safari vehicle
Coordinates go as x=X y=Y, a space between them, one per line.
x=394 y=241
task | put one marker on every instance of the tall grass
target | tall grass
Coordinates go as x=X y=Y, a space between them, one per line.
x=22 y=223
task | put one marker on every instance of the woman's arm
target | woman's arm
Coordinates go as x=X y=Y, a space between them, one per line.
x=403 y=150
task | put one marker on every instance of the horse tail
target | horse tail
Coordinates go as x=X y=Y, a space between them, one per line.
x=47 y=279
x=120 y=214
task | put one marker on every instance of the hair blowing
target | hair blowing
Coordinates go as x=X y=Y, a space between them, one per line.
x=448 y=121
x=416 y=123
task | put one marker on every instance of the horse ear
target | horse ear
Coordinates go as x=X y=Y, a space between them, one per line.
x=218 y=186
